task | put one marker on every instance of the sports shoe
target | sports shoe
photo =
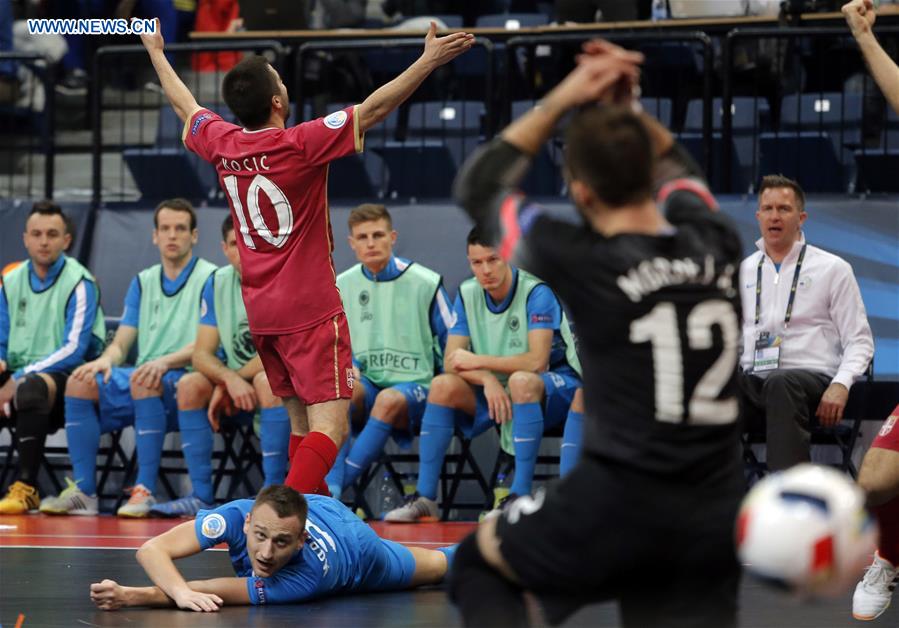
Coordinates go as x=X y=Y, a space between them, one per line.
x=182 y=507
x=873 y=593
x=498 y=507
x=72 y=501
x=20 y=499
x=139 y=504
x=415 y=508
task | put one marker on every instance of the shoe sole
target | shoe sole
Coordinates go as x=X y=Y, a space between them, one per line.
x=75 y=513
x=871 y=617
x=419 y=520
x=129 y=515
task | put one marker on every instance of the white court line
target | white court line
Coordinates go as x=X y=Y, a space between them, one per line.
x=78 y=536
x=84 y=547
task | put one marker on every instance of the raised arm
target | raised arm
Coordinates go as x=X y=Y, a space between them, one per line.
x=183 y=102
x=438 y=51
x=604 y=71
x=860 y=16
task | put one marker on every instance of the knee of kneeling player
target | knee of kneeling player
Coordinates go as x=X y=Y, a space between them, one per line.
x=33 y=395
x=467 y=560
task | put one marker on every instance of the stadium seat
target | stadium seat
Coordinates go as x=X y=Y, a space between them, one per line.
x=808 y=157
x=418 y=169
x=452 y=20
x=158 y=171
x=836 y=115
x=748 y=117
x=512 y=21
x=658 y=108
x=739 y=173
x=457 y=124
x=545 y=177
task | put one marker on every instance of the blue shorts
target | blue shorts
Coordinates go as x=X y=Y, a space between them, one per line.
x=559 y=388
x=117 y=406
x=416 y=399
x=385 y=565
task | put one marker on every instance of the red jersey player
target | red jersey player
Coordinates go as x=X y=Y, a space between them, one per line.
x=276 y=180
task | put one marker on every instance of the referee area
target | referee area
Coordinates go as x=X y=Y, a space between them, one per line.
x=745 y=97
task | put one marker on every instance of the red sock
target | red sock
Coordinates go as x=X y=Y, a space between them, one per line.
x=888 y=518
x=295 y=441
x=313 y=459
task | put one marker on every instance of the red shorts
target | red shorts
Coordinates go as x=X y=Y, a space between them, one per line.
x=315 y=364
x=888 y=437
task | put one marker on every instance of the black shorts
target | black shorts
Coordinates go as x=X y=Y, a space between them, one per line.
x=664 y=550
x=57 y=411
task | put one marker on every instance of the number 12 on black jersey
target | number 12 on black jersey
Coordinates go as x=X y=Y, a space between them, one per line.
x=660 y=328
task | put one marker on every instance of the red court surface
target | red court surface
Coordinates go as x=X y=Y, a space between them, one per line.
x=110 y=532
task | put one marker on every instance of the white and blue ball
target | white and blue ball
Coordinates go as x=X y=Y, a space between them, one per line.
x=806 y=529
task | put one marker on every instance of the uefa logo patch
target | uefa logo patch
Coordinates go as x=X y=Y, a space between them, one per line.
x=259 y=584
x=213 y=526
x=336 y=120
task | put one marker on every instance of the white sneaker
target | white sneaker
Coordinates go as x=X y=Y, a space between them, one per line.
x=139 y=504
x=873 y=593
x=416 y=508
x=72 y=501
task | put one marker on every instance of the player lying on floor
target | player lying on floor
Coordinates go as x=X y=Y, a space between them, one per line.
x=284 y=549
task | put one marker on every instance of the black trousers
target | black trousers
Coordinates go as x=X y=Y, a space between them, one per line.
x=786 y=401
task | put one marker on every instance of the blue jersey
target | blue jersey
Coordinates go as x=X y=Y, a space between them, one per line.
x=341 y=554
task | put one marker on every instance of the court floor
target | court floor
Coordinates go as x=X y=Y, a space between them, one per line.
x=48 y=563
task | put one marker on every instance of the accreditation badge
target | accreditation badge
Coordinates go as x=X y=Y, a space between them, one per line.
x=767 y=352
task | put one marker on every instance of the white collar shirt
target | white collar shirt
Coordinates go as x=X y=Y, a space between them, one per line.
x=828 y=331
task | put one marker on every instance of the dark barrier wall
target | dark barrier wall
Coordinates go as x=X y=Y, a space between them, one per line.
x=864 y=232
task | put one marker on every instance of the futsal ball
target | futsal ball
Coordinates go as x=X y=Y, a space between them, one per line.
x=806 y=529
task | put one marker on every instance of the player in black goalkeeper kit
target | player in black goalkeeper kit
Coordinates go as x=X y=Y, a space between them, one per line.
x=647 y=515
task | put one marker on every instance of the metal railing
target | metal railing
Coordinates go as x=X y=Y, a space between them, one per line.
x=27 y=117
x=818 y=115
x=673 y=59
x=121 y=112
x=416 y=151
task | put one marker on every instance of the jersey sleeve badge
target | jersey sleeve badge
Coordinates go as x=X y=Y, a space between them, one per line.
x=213 y=526
x=336 y=120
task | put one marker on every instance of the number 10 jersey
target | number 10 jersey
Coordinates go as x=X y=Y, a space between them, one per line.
x=276 y=183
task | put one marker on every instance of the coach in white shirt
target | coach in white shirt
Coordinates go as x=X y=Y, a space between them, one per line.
x=806 y=337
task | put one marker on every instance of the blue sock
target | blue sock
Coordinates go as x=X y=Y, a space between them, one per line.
x=436 y=433
x=196 y=445
x=149 y=429
x=83 y=437
x=367 y=448
x=274 y=428
x=571 y=442
x=334 y=479
x=450 y=551
x=527 y=432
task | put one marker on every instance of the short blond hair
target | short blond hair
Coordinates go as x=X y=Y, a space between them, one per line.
x=368 y=212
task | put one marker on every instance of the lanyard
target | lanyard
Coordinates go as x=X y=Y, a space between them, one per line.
x=758 y=288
